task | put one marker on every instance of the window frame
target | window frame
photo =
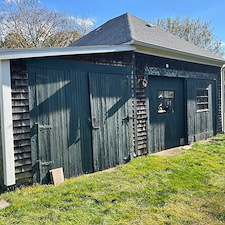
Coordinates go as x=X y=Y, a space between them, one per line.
x=203 y=102
x=172 y=112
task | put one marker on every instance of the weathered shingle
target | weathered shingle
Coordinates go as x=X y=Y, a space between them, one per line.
x=127 y=28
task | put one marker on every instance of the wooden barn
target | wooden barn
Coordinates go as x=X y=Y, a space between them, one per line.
x=125 y=89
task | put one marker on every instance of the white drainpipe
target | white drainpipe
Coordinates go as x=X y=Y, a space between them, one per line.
x=222 y=95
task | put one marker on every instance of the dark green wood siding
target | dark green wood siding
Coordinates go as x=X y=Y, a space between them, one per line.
x=110 y=97
x=201 y=123
x=60 y=114
x=77 y=113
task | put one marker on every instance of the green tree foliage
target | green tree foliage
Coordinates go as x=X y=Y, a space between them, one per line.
x=27 y=24
x=195 y=31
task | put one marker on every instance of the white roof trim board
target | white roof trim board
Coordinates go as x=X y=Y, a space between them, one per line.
x=44 y=52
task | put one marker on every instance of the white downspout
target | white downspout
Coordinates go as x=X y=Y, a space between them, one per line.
x=222 y=96
x=6 y=124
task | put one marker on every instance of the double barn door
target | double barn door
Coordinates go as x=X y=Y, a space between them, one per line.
x=78 y=113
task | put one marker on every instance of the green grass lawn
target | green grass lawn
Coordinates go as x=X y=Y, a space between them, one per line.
x=188 y=188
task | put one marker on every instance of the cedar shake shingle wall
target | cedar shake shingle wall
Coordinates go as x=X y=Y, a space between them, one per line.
x=21 y=122
x=219 y=119
x=113 y=59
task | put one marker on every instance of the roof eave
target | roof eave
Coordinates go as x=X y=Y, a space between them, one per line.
x=145 y=48
x=47 y=52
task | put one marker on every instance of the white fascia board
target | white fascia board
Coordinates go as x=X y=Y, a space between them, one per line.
x=149 y=49
x=6 y=124
x=45 y=52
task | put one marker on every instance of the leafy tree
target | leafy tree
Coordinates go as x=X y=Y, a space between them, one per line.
x=27 y=24
x=195 y=31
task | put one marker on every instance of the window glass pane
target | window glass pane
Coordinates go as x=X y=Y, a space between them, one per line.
x=171 y=94
x=165 y=94
x=168 y=94
x=160 y=94
x=166 y=102
x=160 y=108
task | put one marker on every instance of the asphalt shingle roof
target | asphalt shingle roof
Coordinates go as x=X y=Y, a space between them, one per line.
x=126 y=28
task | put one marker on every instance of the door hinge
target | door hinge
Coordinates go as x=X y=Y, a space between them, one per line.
x=43 y=126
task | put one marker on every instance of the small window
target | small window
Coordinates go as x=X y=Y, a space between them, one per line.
x=166 y=102
x=202 y=100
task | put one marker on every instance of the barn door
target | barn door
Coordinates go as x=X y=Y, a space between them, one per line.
x=201 y=109
x=80 y=120
x=61 y=135
x=41 y=128
x=110 y=97
x=167 y=115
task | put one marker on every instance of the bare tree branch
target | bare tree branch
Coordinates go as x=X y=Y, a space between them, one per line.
x=27 y=24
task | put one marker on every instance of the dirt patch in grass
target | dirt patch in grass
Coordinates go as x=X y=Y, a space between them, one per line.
x=173 y=151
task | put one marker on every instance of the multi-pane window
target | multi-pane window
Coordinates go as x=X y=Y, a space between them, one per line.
x=166 y=102
x=202 y=99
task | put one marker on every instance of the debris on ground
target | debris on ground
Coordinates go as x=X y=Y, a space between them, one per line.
x=4 y=204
